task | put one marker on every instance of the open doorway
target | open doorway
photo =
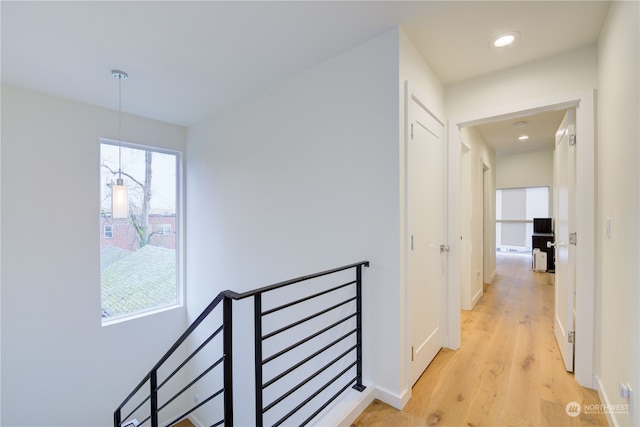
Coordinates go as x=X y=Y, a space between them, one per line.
x=585 y=202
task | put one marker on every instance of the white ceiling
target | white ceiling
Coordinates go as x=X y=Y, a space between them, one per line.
x=187 y=60
x=540 y=130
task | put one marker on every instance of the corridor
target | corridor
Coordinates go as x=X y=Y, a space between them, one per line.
x=508 y=370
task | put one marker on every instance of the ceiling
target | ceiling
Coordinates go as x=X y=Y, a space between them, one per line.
x=540 y=130
x=187 y=60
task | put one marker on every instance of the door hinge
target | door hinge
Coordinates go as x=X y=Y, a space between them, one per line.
x=571 y=337
x=411 y=130
x=572 y=140
x=444 y=248
x=412 y=242
x=573 y=239
x=412 y=353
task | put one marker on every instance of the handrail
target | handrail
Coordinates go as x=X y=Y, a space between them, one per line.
x=227 y=297
x=237 y=296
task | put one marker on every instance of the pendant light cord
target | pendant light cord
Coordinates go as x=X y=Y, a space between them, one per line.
x=120 y=126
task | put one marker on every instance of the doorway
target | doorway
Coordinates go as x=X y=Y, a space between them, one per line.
x=585 y=203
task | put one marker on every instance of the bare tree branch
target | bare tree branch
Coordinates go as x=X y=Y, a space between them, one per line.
x=115 y=172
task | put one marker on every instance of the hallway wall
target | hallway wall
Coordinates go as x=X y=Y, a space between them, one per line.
x=483 y=247
x=568 y=73
x=618 y=277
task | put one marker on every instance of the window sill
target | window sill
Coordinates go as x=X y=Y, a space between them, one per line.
x=126 y=318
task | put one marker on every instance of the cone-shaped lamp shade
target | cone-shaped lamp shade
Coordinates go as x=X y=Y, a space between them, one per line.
x=119 y=200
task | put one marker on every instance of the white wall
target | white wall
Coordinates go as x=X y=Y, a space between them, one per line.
x=526 y=170
x=483 y=250
x=301 y=178
x=60 y=367
x=567 y=73
x=617 y=341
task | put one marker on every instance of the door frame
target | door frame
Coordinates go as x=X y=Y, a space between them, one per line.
x=584 y=103
x=466 y=299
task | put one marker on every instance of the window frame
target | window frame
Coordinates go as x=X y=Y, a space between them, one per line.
x=108 y=234
x=177 y=230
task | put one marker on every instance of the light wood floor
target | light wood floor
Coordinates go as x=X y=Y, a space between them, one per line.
x=508 y=371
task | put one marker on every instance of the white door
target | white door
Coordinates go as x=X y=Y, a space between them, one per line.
x=426 y=232
x=565 y=226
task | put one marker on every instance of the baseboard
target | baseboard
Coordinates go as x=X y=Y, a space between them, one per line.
x=344 y=412
x=493 y=276
x=475 y=298
x=196 y=422
x=394 y=400
x=611 y=419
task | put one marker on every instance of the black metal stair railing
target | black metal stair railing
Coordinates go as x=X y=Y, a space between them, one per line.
x=307 y=352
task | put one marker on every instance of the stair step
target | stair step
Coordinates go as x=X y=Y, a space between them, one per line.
x=184 y=423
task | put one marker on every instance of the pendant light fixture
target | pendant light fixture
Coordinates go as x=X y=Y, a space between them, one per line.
x=119 y=191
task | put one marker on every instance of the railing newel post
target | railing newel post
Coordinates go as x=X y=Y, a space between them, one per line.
x=153 y=383
x=227 y=315
x=117 y=418
x=257 y=319
x=359 y=386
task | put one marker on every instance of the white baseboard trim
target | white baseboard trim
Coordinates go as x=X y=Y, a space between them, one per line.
x=394 y=400
x=611 y=419
x=493 y=276
x=475 y=298
x=345 y=411
x=196 y=422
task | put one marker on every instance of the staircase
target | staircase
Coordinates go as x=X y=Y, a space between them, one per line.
x=306 y=335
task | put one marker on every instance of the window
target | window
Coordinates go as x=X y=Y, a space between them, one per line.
x=139 y=256
x=515 y=210
x=163 y=229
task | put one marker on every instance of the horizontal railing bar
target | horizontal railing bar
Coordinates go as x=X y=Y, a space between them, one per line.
x=328 y=402
x=306 y=380
x=138 y=407
x=192 y=355
x=234 y=295
x=205 y=401
x=307 y=339
x=316 y=393
x=185 y=388
x=273 y=310
x=144 y=421
x=305 y=360
x=176 y=345
x=306 y=319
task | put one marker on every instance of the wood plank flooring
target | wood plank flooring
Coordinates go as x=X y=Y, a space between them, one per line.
x=508 y=371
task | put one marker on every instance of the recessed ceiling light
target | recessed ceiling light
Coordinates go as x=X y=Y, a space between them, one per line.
x=505 y=39
x=523 y=137
x=520 y=124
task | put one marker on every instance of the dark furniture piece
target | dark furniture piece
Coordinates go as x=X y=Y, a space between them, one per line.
x=542 y=234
